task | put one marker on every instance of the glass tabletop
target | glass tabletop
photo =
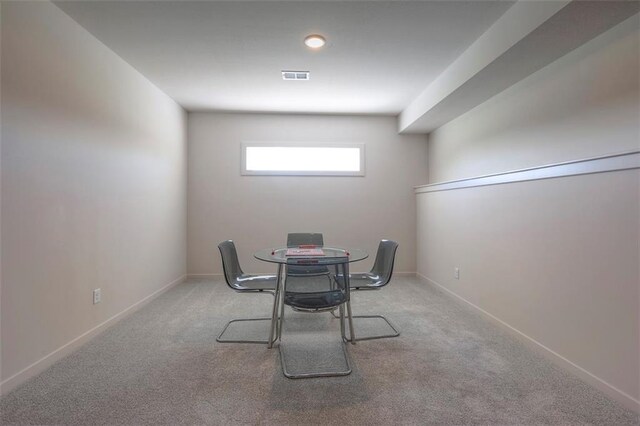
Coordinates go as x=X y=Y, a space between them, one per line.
x=331 y=255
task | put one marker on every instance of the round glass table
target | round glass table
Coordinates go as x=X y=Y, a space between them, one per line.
x=331 y=256
x=341 y=257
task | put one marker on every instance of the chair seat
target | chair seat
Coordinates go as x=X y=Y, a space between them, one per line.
x=315 y=301
x=365 y=281
x=246 y=282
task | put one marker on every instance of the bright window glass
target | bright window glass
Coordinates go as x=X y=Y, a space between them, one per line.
x=344 y=160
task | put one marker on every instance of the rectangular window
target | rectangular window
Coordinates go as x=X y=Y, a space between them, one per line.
x=303 y=159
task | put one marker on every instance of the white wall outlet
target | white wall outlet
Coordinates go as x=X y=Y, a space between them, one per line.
x=456 y=273
x=97 y=296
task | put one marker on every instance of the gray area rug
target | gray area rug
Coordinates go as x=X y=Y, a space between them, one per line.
x=162 y=365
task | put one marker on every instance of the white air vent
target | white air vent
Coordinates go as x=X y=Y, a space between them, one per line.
x=295 y=75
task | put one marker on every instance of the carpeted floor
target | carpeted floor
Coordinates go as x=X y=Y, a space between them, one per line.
x=162 y=365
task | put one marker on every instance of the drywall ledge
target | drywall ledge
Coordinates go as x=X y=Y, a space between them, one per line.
x=529 y=36
x=610 y=390
x=48 y=360
x=607 y=163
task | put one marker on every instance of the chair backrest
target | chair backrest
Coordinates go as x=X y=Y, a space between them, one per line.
x=383 y=265
x=296 y=239
x=230 y=263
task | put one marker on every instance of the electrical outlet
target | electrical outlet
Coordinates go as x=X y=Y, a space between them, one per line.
x=456 y=273
x=97 y=296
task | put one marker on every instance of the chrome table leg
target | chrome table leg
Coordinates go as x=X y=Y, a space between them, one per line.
x=274 y=314
x=345 y=271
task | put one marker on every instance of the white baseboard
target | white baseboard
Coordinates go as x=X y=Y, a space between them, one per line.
x=405 y=274
x=203 y=276
x=595 y=381
x=47 y=361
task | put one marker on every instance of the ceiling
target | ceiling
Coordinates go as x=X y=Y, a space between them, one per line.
x=227 y=56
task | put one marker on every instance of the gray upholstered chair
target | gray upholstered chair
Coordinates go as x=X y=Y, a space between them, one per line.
x=378 y=277
x=243 y=283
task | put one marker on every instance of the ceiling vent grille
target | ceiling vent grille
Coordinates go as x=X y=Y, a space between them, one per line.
x=295 y=75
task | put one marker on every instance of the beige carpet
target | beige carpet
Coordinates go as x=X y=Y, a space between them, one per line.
x=162 y=365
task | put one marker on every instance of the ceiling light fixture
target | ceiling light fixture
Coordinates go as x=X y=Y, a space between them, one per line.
x=314 y=41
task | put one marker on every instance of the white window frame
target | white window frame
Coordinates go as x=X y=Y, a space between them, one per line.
x=245 y=172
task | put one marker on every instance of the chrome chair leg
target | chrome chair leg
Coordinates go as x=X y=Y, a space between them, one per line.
x=351 y=332
x=347 y=371
x=219 y=339
x=290 y=375
x=341 y=316
x=395 y=333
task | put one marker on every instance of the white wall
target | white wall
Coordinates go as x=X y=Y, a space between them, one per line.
x=557 y=259
x=258 y=211
x=583 y=105
x=93 y=186
x=0 y=198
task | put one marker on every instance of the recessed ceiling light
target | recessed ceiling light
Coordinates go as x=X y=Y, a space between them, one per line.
x=314 y=41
